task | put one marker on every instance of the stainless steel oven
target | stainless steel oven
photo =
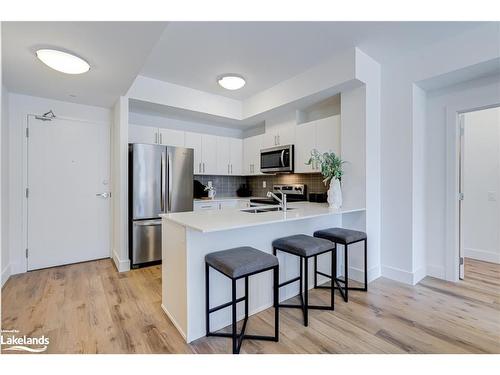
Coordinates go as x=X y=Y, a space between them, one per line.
x=277 y=159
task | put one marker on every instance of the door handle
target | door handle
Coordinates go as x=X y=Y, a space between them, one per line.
x=103 y=195
x=203 y=167
x=282 y=158
x=199 y=167
x=228 y=169
x=231 y=169
x=156 y=137
x=161 y=141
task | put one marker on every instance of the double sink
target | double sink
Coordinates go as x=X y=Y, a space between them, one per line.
x=258 y=210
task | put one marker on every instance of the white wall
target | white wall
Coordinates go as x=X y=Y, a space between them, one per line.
x=401 y=196
x=463 y=96
x=19 y=107
x=481 y=179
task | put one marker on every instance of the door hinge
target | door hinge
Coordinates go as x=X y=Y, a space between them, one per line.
x=27 y=192
x=27 y=132
x=461 y=260
x=26 y=253
x=460 y=196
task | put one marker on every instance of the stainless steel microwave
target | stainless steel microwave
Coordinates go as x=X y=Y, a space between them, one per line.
x=277 y=159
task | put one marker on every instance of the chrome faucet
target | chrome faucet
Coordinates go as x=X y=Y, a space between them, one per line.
x=282 y=201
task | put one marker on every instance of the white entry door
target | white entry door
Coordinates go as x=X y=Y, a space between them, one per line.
x=68 y=192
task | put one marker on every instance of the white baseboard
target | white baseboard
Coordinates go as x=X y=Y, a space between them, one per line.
x=436 y=271
x=397 y=274
x=174 y=322
x=6 y=272
x=359 y=274
x=419 y=275
x=122 y=265
x=484 y=255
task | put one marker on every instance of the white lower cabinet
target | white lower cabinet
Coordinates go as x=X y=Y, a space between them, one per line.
x=220 y=204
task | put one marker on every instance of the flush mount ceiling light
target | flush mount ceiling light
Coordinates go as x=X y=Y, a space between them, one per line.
x=231 y=81
x=63 y=61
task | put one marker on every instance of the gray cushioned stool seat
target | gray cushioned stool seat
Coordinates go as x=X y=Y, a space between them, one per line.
x=302 y=245
x=240 y=261
x=341 y=235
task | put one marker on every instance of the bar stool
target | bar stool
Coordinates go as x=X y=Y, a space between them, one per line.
x=237 y=263
x=344 y=237
x=306 y=247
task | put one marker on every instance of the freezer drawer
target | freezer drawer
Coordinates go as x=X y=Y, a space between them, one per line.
x=146 y=241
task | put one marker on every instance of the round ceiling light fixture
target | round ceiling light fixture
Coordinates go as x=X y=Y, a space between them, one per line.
x=63 y=61
x=231 y=81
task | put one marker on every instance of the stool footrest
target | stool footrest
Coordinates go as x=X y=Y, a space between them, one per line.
x=324 y=274
x=312 y=307
x=289 y=281
x=227 y=304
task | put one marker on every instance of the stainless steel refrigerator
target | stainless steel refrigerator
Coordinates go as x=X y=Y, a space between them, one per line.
x=160 y=181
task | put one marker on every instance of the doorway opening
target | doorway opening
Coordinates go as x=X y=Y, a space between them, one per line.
x=479 y=190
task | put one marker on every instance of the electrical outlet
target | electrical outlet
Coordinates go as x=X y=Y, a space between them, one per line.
x=264 y=184
x=492 y=197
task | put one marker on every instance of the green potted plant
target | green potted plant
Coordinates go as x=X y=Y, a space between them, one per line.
x=331 y=167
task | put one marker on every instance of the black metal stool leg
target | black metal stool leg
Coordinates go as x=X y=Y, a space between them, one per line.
x=207 y=296
x=346 y=274
x=235 y=337
x=306 y=286
x=366 y=267
x=332 y=280
x=276 y=303
x=315 y=271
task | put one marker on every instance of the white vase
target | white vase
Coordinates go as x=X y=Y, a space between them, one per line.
x=335 y=194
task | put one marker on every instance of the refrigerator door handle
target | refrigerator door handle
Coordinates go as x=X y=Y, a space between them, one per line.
x=169 y=183
x=162 y=181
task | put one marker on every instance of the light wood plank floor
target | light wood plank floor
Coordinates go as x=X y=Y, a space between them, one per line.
x=91 y=308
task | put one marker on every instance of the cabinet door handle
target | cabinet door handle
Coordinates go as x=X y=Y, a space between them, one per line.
x=203 y=167
x=199 y=167
x=278 y=139
x=231 y=169
x=156 y=138
x=161 y=142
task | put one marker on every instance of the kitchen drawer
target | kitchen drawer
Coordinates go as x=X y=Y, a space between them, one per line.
x=201 y=205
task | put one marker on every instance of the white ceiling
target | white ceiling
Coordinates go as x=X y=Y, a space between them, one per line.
x=116 y=52
x=193 y=54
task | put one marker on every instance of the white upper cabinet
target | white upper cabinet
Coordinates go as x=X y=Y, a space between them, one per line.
x=305 y=142
x=236 y=156
x=142 y=134
x=193 y=140
x=223 y=156
x=279 y=136
x=251 y=154
x=169 y=137
x=209 y=154
x=155 y=136
x=328 y=134
x=229 y=156
x=323 y=135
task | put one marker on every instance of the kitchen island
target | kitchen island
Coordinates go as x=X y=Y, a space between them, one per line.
x=188 y=236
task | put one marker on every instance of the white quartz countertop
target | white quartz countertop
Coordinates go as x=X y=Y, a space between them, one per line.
x=233 y=218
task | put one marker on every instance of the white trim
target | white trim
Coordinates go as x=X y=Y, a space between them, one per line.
x=419 y=274
x=121 y=265
x=177 y=325
x=435 y=271
x=398 y=274
x=484 y=255
x=6 y=272
x=452 y=180
x=358 y=274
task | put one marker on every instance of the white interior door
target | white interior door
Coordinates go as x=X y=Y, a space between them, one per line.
x=68 y=201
